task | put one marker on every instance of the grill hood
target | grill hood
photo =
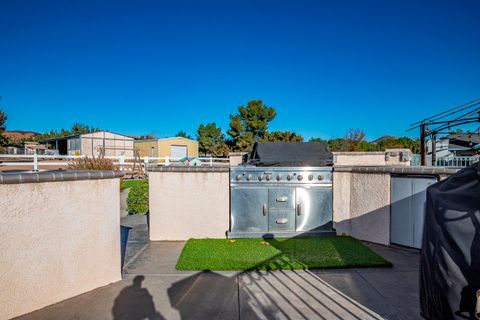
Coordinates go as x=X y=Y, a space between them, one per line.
x=289 y=154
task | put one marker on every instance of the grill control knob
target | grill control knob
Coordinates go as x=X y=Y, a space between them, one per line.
x=239 y=177
x=289 y=177
x=320 y=177
x=300 y=177
x=279 y=177
x=310 y=177
x=268 y=177
x=260 y=177
x=249 y=177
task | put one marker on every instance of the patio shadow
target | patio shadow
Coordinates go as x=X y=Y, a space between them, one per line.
x=135 y=303
x=124 y=231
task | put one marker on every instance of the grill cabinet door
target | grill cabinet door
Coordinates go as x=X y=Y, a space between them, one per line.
x=314 y=209
x=407 y=210
x=281 y=209
x=249 y=209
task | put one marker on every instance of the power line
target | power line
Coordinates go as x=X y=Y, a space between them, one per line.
x=469 y=113
x=451 y=111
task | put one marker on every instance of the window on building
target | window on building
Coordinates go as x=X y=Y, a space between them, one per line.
x=73 y=144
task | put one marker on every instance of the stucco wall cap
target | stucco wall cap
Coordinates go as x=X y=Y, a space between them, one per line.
x=15 y=177
x=187 y=169
x=414 y=170
x=358 y=153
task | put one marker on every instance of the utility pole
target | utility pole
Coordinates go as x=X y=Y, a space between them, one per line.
x=434 y=149
x=437 y=124
x=423 y=155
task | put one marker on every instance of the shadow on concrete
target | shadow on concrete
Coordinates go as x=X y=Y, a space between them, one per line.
x=124 y=231
x=206 y=295
x=295 y=294
x=278 y=294
x=135 y=303
x=306 y=294
x=263 y=295
x=291 y=294
x=134 y=236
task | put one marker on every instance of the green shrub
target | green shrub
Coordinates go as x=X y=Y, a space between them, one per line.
x=127 y=184
x=137 y=200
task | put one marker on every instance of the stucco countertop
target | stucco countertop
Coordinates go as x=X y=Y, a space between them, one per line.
x=408 y=170
x=187 y=169
x=15 y=177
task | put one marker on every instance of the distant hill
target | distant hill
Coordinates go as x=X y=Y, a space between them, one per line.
x=19 y=135
x=383 y=138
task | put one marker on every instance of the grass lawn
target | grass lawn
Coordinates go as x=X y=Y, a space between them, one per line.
x=277 y=254
x=130 y=183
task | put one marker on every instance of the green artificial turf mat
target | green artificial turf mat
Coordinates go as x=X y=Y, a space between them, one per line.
x=277 y=254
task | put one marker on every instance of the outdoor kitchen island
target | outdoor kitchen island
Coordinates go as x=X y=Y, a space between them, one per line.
x=260 y=200
x=282 y=190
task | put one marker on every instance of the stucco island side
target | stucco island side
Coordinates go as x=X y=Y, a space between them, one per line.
x=188 y=202
x=361 y=198
x=361 y=206
x=58 y=238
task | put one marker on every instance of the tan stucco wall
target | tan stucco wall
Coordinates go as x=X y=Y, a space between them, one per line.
x=162 y=147
x=236 y=158
x=361 y=205
x=186 y=205
x=144 y=148
x=165 y=144
x=341 y=202
x=57 y=240
x=360 y=158
x=383 y=158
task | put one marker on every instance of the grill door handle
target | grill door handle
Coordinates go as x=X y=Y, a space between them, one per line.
x=264 y=210
x=282 y=199
x=299 y=209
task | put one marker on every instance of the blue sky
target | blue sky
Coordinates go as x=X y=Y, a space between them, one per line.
x=141 y=67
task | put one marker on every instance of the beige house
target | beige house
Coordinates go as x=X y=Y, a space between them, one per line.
x=176 y=147
x=92 y=144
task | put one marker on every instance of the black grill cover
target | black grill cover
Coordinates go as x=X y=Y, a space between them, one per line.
x=289 y=154
x=450 y=259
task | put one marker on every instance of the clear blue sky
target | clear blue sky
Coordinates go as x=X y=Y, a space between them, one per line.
x=142 y=67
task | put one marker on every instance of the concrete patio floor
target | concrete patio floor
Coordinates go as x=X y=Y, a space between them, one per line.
x=152 y=289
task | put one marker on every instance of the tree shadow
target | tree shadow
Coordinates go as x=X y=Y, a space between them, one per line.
x=135 y=303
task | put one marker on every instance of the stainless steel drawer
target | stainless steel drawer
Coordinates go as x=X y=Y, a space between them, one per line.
x=281 y=220
x=281 y=198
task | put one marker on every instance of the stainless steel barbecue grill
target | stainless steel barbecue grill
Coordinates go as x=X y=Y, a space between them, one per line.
x=273 y=199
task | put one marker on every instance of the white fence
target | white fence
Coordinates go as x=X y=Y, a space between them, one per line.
x=35 y=162
x=449 y=161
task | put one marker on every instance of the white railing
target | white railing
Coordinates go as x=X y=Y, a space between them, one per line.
x=34 y=161
x=449 y=161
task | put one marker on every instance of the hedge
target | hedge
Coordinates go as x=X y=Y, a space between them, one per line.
x=137 y=200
